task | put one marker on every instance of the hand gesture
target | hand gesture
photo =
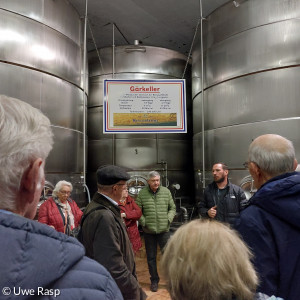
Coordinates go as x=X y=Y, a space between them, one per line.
x=212 y=212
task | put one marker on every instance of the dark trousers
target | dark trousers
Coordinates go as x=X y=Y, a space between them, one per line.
x=151 y=241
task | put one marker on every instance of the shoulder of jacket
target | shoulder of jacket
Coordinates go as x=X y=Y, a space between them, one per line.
x=94 y=272
x=210 y=187
x=49 y=202
x=235 y=187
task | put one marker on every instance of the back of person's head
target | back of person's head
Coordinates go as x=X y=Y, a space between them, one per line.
x=59 y=185
x=25 y=135
x=273 y=154
x=207 y=260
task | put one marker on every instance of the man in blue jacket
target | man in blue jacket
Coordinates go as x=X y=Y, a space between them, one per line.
x=271 y=223
x=36 y=261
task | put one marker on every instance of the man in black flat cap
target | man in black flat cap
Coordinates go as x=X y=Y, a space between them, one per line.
x=104 y=233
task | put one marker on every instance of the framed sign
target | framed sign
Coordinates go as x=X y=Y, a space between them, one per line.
x=141 y=106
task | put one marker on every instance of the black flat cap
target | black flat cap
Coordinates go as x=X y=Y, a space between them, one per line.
x=109 y=174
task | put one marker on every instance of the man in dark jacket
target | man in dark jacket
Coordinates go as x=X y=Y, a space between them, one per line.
x=104 y=233
x=222 y=200
x=271 y=223
x=36 y=261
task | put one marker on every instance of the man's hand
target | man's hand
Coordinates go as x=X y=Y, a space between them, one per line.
x=212 y=212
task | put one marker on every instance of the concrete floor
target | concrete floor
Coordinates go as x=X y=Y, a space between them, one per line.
x=144 y=277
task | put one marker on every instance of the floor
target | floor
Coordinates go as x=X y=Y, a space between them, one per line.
x=144 y=277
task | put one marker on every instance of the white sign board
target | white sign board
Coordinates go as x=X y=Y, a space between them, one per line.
x=141 y=106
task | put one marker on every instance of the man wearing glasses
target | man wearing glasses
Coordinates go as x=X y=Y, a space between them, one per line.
x=104 y=233
x=270 y=225
x=222 y=200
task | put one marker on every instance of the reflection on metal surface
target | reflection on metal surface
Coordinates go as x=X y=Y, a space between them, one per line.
x=247 y=184
x=251 y=71
x=169 y=153
x=41 y=64
x=135 y=184
x=47 y=190
x=8 y=35
x=46 y=193
x=42 y=52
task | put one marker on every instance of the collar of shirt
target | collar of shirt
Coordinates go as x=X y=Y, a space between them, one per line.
x=109 y=199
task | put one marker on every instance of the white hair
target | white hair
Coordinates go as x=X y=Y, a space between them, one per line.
x=59 y=185
x=273 y=153
x=25 y=135
x=153 y=174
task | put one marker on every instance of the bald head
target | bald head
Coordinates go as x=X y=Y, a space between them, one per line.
x=273 y=154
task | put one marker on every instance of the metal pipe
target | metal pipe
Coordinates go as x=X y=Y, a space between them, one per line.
x=113 y=54
x=185 y=214
x=88 y=192
x=85 y=188
x=113 y=76
x=163 y=162
x=116 y=26
x=191 y=48
x=84 y=92
x=202 y=95
x=96 y=48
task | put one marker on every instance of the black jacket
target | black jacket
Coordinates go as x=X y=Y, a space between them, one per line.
x=233 y=202
x=105 y=239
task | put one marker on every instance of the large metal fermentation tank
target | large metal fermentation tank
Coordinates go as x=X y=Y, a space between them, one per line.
x=251 y=81
x=41 y=64
x=171 y=154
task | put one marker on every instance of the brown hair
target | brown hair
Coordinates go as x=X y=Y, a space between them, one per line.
x=224 y=166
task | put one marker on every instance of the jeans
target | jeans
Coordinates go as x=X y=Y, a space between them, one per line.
x=151 y=241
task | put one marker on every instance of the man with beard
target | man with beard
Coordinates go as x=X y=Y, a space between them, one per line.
x=222 y=200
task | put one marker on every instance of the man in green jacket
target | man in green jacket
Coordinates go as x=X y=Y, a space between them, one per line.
x=158 y=210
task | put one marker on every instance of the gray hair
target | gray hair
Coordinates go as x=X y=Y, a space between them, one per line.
x=25 y=135
x=59 y=185
x=273 y=153
x=152 y=174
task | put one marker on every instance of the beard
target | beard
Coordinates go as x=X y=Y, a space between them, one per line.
x=222 y=179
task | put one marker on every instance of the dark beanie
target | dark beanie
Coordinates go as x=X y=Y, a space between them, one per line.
x=109 y=174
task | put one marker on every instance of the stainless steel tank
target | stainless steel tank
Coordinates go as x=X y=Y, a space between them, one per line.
x=251 y=82
x=170 y=154
x=41 y=63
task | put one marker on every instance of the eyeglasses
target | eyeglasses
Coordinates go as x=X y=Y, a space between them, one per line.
x=65 y=192
x=246 y=164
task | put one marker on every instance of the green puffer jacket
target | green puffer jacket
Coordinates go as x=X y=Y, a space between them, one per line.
x=158 y=209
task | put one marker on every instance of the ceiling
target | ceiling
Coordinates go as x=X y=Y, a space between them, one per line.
x=162 y=23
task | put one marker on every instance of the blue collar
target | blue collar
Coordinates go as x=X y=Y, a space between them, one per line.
x=110 y=200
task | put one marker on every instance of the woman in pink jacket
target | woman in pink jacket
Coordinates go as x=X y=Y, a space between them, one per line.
x=60 y=211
